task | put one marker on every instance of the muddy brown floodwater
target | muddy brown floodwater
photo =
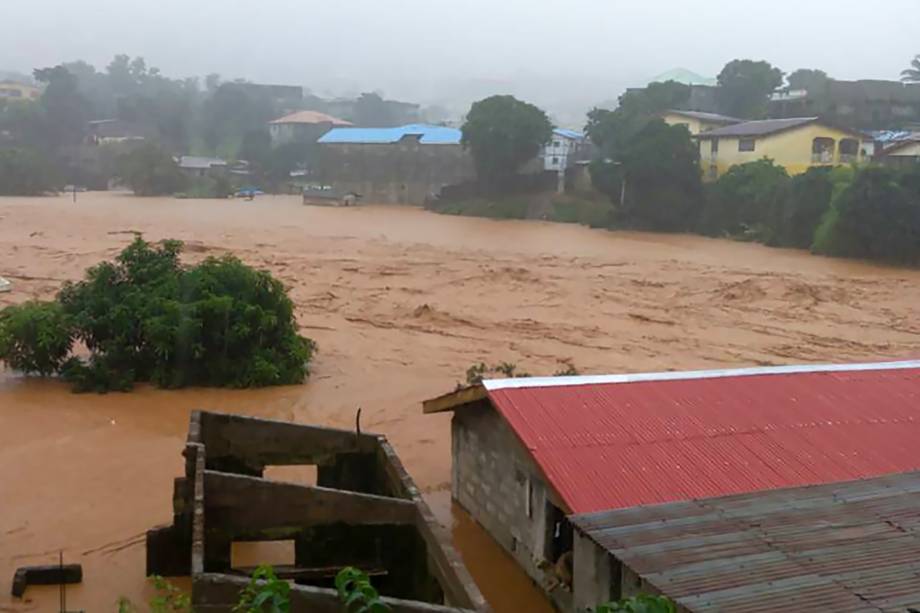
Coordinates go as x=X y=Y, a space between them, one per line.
x=401 y=301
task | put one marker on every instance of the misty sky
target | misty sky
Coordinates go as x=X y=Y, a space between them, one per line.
x=429 y=49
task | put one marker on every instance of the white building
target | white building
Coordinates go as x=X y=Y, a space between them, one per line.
x=565 y=148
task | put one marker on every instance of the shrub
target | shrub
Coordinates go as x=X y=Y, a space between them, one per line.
x=24 y=172
x=741 y=201
x=356 y=592
x=876 y=217
x=799 y=209
x=145 y=317
x=35 y=337
x=643 y=603
x=151 y=171
x=265 y=592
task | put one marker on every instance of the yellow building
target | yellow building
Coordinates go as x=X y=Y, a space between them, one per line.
x=797 y=144
x=696 y=121
x=11 y=90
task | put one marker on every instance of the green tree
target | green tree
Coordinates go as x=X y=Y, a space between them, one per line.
x=35 y=337
x=745 y=85
x=66 y=111
x=26 y=172
x=229 y=113
x=877 y=217
x=912 y=74
x=611 y=130
x=800 y=207
x=643 y=603
x=503 y=133
x=743 y=199
x=810 y=79
x=146 y=317
x=150 y=171
x=663 y=190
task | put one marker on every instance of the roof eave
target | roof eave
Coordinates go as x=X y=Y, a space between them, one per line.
x=455 y=400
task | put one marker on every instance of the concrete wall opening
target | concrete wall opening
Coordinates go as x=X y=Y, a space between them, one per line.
x=247 y=555
x=299 y=474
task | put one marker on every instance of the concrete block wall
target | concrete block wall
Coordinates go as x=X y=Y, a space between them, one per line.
x=490 y=478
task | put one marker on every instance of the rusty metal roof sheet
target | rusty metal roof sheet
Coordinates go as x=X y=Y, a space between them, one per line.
x=851 y=546
x=619 y=441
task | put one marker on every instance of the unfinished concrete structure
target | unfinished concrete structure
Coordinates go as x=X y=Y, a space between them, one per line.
x=529 y=453
x=364 y=511
x=405 y=165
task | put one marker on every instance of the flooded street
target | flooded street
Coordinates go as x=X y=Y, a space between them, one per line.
x=401 y=302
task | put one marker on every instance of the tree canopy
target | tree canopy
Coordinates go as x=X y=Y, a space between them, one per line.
x=147 y=317
x=810 y=79
x=912 y=74
x=744 y=87
x=661 y=167
x=503 y=133
x=611 y=130
x=150 y=171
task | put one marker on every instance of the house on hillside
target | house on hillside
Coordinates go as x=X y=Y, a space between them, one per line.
x=850 y=546
x=866 y=104
x=697 y=121
x=797 y=144
x=302 y=127
x=529 y=453
x=565 y=148
x=902 y=153
x=405 y=165
x=108 y=131
x=13 y=90
x=200 y=166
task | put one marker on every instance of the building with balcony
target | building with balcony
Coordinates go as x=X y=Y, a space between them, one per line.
x=796 y=144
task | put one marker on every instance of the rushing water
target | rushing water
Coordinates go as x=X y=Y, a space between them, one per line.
x=401 y=302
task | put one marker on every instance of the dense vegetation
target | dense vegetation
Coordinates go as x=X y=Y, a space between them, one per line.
x=211 y=117
x=147 y=317
x=502 y=134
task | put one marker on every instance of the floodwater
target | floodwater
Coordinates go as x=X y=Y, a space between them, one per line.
x=401 y=302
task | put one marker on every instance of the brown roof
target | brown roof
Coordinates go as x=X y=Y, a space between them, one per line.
x=836 y=547
x=766 y=127
x=701 y=116
x=311 y=117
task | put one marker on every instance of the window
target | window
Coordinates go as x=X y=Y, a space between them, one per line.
x=746 y=144
x=555 y=161
x=556 y=143
x=528 y=500
x=715 y=145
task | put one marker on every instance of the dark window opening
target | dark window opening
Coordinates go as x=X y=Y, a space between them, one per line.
x=559 y=536
x=746 y=144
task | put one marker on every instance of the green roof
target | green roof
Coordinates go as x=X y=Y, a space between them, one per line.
x=682 y=75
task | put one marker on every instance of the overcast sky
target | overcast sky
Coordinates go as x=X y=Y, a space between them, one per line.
x=414 y=47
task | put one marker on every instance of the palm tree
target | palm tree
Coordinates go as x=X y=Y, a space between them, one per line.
x=912 y=74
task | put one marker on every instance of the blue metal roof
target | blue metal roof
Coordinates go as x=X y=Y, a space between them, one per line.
x=429 y=135
x=568 y=133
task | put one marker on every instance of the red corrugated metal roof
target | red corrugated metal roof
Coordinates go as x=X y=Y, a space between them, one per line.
x=622 y=444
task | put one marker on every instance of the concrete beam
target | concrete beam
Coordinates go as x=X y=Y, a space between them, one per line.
x=260 y=442
x=237 y=503
x=455 y=400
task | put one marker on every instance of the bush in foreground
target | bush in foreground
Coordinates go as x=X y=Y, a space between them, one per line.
x=146 y=317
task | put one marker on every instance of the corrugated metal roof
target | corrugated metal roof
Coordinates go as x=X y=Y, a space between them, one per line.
x=311 y=117
x=428 y=135
x=709 y=117
x=574 y=134
x=760 y=127
x=850 y=546
x=642 y=439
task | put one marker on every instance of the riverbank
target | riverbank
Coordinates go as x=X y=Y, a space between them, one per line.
x=401 y=302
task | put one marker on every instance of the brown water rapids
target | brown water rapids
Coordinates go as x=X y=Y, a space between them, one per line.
x=401 y=302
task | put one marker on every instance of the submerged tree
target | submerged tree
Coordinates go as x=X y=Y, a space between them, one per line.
x=146 y=317
x=503 y=133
